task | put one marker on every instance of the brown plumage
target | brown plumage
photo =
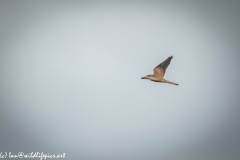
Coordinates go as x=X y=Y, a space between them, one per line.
x=159 y=71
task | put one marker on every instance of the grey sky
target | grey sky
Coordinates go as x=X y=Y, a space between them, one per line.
x=70 y=79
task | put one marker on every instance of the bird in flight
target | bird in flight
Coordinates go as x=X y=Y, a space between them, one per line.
x=159 y=71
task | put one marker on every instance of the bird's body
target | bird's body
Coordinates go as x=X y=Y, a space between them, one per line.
x=159 y=71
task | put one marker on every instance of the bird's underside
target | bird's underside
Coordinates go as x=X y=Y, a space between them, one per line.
x=159 y=71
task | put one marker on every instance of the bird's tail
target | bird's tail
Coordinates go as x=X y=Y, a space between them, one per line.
x=166 y=81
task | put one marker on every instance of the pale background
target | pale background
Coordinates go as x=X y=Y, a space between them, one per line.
x=70 y=79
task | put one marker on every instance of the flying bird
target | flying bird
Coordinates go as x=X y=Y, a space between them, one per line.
x=159 y=71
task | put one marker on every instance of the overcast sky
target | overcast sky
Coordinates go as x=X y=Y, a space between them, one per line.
x=71 y=79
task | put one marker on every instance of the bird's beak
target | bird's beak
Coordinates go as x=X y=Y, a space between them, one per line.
x=143 y=78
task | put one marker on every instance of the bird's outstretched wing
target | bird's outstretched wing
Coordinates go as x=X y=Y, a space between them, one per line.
x=161 y=68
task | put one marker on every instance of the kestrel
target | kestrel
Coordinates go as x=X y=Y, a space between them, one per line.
x=159 y=71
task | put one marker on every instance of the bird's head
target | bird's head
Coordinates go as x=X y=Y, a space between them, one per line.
x=146 y=77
